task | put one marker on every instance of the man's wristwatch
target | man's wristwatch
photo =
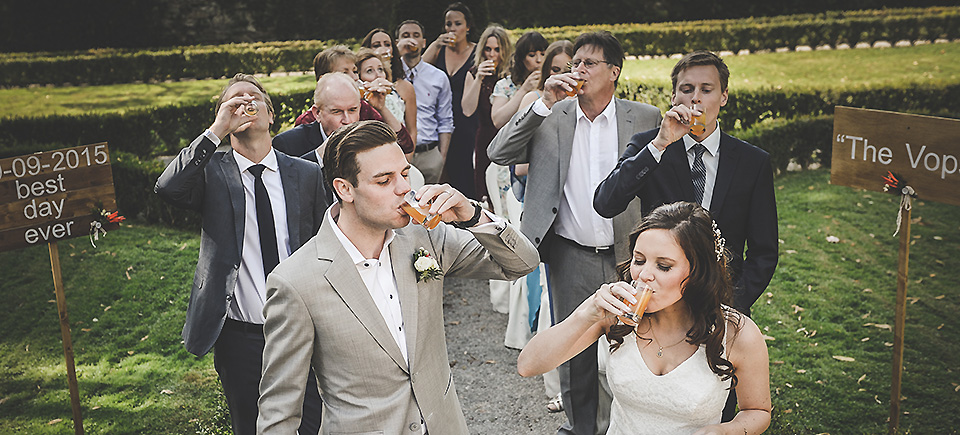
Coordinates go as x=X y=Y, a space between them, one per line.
x=477 y=210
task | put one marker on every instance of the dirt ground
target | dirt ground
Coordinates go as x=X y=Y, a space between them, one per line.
x=495 y=399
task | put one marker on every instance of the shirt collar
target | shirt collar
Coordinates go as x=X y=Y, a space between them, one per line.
x=711 y=143
x=609 y=112
x=270 y=161
x=348 y=246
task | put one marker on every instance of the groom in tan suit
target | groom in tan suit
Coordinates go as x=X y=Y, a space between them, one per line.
x=352 y=305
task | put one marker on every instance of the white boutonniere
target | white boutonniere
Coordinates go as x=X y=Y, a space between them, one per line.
x=426 y=266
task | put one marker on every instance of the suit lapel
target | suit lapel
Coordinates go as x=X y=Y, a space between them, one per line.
x=729 y=159
x=291 y=195
x=400 y=256
x=566 y=129
x=231 y=172
x=625 y=128
x=345 y=280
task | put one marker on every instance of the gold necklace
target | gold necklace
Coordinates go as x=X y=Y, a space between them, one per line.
x=661 y=347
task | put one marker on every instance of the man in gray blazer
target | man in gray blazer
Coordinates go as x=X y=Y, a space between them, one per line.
x=257 y=207
x=571 y=145
x=362 y=302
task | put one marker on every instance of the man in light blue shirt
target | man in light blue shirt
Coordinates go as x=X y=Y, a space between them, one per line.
x=434 y=102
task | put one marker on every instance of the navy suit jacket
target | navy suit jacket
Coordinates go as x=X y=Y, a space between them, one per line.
x=299 y=140
x=743 y=205
x=206 y=180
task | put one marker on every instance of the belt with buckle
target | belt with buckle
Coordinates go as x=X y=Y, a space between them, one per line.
x=426 y=146
x=595 y=249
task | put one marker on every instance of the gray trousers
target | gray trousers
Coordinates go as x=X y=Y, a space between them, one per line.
x=575 y=274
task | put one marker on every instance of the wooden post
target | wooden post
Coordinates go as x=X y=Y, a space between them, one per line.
x=901 y=319
x=65 y=333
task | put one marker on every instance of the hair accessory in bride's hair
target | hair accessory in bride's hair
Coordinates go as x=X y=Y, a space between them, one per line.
x=718 y=241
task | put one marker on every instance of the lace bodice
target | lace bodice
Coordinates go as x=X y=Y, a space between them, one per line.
x=682 y=401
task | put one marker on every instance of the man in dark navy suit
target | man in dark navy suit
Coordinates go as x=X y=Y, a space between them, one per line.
x=257 y=207
x=729 y=177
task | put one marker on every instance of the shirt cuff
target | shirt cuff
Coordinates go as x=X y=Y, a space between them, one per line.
x=541 y=109
x=496 y=225
x=213 y=138
x=657 y=154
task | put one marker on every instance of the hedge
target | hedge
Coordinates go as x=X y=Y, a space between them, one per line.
x=109 y=66
x=769 y=33
x=133 y=181
x=143 y=132
x=164 y=130
x=803 y=140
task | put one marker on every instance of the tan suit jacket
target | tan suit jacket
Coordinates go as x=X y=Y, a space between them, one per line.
x=319 y=313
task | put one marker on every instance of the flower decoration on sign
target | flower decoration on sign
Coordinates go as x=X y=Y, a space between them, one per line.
x=895 y=184
x=103 y=219
x=426 y=266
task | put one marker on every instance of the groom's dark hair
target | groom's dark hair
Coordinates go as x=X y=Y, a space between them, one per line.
x=340 y=154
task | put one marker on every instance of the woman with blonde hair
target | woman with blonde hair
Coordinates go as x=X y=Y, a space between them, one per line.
x=489 y=67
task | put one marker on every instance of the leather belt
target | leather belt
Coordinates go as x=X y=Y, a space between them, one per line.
x=236 y=325
x=426 y=146
x=595 y=249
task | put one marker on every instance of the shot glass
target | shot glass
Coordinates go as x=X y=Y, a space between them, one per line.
x=576 y=89
x=698 y=124
x=363 y=90
x=251 y=108
x=419 y=215
x=633 y=317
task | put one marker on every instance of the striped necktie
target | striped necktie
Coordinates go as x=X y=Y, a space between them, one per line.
x=698 y=173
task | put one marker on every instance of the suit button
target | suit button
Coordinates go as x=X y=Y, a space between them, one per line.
x=414 y=426
x=554 y=210
x=229 y=298
x=536 y=240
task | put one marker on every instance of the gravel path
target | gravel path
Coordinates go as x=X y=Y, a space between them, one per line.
x=495 y=399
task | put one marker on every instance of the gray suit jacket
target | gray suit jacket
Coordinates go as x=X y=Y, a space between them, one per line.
x=319 y=313
x=546 y=144
x=206 y=180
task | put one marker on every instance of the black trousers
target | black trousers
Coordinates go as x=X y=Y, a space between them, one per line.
x=238 y=358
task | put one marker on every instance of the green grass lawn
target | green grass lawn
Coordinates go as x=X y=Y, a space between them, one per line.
x=934 y=63
x=127 y=300
x=821 y=69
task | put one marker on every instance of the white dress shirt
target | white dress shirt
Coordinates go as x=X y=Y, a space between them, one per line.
x=594 y=155
x=711 y=160
x=251 y=290
x=377 y=276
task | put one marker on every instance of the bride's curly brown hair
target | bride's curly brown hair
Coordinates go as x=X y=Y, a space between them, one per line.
x=707 y=291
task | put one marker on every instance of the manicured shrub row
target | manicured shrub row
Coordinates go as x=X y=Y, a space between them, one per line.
x=133 y=181
x=768 y=33
x=106 y=66
x=109 y=66
x=145 y=132
x=746 y=108
x=804 y=140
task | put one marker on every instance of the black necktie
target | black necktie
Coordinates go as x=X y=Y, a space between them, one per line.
x=698 y=173
x=265 y=225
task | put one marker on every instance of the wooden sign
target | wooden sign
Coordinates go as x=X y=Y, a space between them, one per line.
x=923 y=150
x=53 y=195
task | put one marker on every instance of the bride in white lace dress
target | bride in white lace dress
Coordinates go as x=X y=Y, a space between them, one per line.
x=671 y=373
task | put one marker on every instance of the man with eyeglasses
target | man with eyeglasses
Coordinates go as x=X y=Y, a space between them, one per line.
x=571 y=146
